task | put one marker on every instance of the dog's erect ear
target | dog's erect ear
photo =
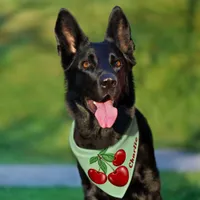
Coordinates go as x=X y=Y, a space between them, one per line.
x=69 y=35
x=119 y=32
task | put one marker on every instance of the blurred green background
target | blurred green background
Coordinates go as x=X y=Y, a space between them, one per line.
x=34 y=123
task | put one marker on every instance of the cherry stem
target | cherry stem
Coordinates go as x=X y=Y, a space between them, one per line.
x=109 y=165
x=106 y=162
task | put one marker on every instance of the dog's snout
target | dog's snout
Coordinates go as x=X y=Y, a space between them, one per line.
x=108 y=81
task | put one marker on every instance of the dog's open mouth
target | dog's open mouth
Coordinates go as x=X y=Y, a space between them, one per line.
x=104 y=112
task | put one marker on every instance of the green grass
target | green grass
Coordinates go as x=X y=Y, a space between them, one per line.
x=175 y=186
x=34 y=124
x=41 y=194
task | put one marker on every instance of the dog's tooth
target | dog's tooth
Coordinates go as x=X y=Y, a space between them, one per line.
x=94 y=102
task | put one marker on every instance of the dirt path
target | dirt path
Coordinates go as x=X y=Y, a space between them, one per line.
x=67 y=175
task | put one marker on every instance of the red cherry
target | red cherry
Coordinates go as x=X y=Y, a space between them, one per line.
x=119 y=177
x=119 y=157
x=96 y=176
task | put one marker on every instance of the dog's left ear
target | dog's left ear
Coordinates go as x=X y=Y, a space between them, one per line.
x=119 y=32
x=69 y=35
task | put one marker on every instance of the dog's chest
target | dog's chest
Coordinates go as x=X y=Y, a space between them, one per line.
x=98 y=140
x=110 y=168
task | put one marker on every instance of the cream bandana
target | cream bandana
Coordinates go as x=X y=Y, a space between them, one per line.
x=110 y=169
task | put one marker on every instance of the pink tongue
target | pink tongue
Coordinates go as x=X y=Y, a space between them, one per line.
x=106 y=114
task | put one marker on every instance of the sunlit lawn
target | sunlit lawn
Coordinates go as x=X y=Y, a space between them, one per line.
x=174 y=187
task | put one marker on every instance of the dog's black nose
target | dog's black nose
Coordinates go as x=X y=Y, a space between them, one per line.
x=108 y=81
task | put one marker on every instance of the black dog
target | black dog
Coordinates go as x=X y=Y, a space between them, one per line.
x=97 y=75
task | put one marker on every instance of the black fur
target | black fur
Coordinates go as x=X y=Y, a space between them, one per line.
x=84 y=84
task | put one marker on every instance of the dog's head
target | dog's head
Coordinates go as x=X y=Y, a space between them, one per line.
x=98 y=75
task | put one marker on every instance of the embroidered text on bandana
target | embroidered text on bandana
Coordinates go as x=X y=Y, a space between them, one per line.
x=110 y=169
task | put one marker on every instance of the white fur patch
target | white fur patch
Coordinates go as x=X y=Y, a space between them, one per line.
x=70 y=39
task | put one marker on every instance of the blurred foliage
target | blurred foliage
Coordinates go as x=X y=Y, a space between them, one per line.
x=34 y=124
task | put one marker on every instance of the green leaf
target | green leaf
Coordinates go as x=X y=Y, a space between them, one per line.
x=93 y=159
x=102 y=166
x=108 y=157
x=103 y=151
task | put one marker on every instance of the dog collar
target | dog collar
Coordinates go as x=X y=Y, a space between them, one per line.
x=110 y=169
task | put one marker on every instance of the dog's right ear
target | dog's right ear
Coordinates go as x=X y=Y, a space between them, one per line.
x=119 y=32
x=69 y=36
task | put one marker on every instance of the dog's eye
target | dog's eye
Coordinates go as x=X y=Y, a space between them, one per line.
x=85 y=64
x=118 y=63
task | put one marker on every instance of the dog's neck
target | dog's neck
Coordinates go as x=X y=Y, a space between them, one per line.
x=88 y=134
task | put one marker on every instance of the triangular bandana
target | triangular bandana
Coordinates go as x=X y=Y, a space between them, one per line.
x=110 y=169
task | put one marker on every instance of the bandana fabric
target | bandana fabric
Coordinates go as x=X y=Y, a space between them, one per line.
x=110 y=169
